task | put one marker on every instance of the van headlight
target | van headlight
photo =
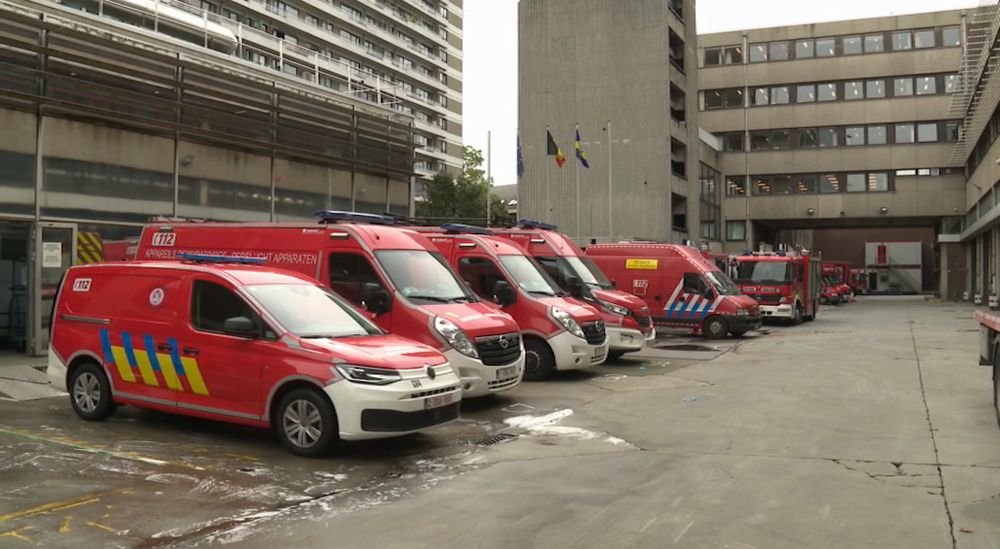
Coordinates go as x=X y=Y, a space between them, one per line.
x=616 y=309
x=568 y=322
x=742 y=312
x=456 y=337
x=368 y=375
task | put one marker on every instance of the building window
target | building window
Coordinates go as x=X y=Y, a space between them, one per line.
x=951 y=131
x=826 y=92
x=851 y=45
x=760 y=96
x=876 y=135
x=713 y=57
x=734 y=55
x=732 y=142
x=904 y=133
x=760 y=141
x=854 y=90
x=878 y=182
x=828 y=137
x=758 y=53
x=778 y=51
x=711 y=203
x=902 y=87
x=804 y=49
x=927 y=132
x=926 y=85
x=874 y=43
x=736 y=230
x=736 y=186
x=779 y=95
x=807 y=138
x=829 y=183
x=856 y=183
x=854 y=135
x=714 y=100
x=805 y=184
x=924 y=39
x=874 y=89
x=805 y=93
x=826 y=47
x=901 y=40
x=951 y=37
x=950 y=83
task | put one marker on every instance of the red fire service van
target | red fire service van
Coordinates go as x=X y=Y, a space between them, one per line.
x=838 y=274
x=787 y=285
x=680 y=286
x=626 y=316
x=241 y=343
x=560 y=332
x=394 y=274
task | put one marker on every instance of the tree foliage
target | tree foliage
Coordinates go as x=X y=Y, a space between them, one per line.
x=462 y=198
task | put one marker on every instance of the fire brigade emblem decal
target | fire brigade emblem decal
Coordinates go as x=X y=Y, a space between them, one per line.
x=431 y=373
x=156 y=297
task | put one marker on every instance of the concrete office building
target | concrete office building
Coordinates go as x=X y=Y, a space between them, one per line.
x=841 y=126
x=625 y=71
x=107 y=126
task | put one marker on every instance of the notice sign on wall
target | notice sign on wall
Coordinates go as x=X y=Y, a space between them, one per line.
x=52 y=255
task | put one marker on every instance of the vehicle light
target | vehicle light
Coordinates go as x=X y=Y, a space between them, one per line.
x=611 y=307
x=368 y=375
x=742 y=312
x=568 y=322
x=456 y=337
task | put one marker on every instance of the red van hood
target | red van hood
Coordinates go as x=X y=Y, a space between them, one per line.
x=384 y=351
x=623 y=299
x=476 y=319
x=744 y=302
x=580 y=311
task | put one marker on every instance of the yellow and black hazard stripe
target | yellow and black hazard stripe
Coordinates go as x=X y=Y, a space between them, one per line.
x=89 y=248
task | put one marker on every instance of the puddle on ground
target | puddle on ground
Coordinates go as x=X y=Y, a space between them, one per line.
x=688 y=347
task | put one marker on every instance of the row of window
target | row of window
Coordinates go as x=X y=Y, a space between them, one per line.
x=990 y=134
x=710 y=202
x=844 y=90
x=812 y=183
x=843 y=136
x=835 y=46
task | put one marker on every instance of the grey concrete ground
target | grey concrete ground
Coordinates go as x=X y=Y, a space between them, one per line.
x=871 y=427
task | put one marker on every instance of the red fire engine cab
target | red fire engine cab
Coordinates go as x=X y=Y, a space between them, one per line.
x=786 y=284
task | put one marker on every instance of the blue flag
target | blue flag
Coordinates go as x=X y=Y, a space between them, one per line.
x=520 y=158
x=580 y=155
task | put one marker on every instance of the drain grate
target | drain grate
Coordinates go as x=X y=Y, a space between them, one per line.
x=497 y=439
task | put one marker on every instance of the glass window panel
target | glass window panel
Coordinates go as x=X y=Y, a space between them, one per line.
x=829 y=183
x=905 y=173
x=950 y=83
x=926 y=85
x=878 y=182
x=805 y=184
x=874 y=89
x=782 y=184
x=904 y=133
x=779 y=95
x=854 y=90
x=951 y=131
x=734 y=55
x=736 y=230
x=761 y=185
x=760 y=140
x=876 y=135
x=804 y=49
x=713 y=99
x=874 y=43
x=951 y=37
x=734 y=98
x=778 y=51
x=805 y=93
x=851 y=45
x=760 y=96
x=901 y=40
x=807 y=137
x=924 y=39
x=758 y=53
x=902 y=87
x=828 y=137
x=826 y=92
x=713 y=57
x=732 y=142
x=927 y=132
x=826 y=47
x=854 y=135
x=735 y=186
x=781 y=139
x=856 y=183
x=924 y=171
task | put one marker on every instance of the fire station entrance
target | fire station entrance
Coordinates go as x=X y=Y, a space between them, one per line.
x=33 y=259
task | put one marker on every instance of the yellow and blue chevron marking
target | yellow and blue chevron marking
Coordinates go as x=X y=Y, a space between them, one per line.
x=151 y=365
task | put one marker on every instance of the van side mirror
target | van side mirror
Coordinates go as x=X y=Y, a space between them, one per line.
x=708 y=293
x=503 y=294
x=614 y=283
x=375 y=299
x=240 y=326
x=574 y=286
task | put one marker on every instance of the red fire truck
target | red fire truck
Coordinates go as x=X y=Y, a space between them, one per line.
x=837 y=274
x=786 y=284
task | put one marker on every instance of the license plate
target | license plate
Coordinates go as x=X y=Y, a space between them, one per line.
x=438 y=401
x=506 y=373
x=598 y=353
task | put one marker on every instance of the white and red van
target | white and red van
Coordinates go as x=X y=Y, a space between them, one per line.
x=680 y=286
x=245 y=344
x=397 y=276
x=626 y=316
x=559 y=331
x=787 y=285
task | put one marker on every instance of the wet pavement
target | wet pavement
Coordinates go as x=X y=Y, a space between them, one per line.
x=871 y=427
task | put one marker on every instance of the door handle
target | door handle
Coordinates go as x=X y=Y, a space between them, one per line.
x=164 y=347
x=190 y=351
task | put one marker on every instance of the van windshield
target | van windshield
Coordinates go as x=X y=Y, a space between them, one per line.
x=723 y=284
x=423 y=276
x=529 y=276
x=311 y=311
x=764 y=272
x=561 y=268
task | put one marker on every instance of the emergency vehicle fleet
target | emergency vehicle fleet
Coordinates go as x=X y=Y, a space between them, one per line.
x=395 y=275
x=786 y=284
x=247 y=344
x=680 y=286
x=629 y=325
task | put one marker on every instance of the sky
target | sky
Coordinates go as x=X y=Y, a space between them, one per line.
x=490 y=55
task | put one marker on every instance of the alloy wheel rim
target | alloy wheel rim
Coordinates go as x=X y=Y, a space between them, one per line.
x=302 y=423
x=531 y=361
x=87 y=392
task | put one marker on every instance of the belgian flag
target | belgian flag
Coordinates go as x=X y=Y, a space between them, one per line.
x=553 y=149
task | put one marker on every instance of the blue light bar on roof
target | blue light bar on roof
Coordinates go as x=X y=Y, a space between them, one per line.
x=206 y=258
x=531 y=224
x=458 y=228
x=332 y=216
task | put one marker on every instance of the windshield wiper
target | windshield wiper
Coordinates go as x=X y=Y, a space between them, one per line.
x=332 y=336
x=432 y=298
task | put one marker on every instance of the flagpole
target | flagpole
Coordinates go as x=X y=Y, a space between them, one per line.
x=548 y=186
x=489 y=178
x=579 y=230
x=611 y=233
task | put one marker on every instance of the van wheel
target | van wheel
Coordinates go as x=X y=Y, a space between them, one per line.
x=90 y=393
x=539 y=364
x=715 y=327
x=306 y=423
